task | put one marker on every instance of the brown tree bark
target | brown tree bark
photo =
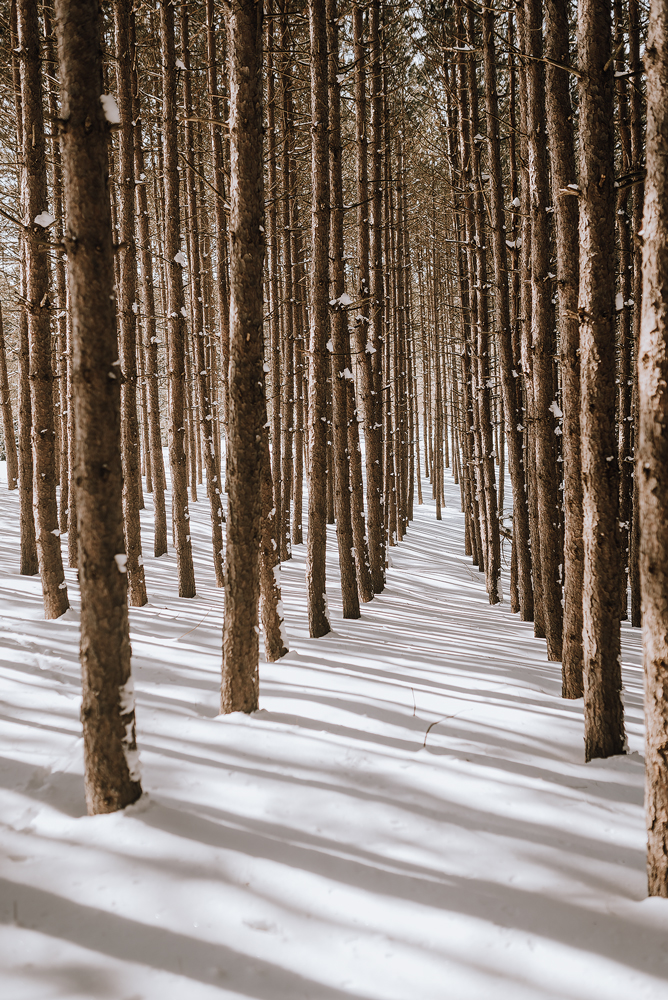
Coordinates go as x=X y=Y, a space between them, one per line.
x=216 y=115
x=247 y=412
x=542 y=336
x=483 y=346
x=637 y=151
x=287 y=197
x=562 y=162
x=503 y=326
x=339 y=332
x=319 y=332
x=127 y=307
x=7 y=416
x=604 y=713
x=204 y=401
x=34 y=204
x=150 y=339
x=271 y=604
x=376 y=498
x=272 y=281
x=176 y=312
x=110 y=754
x=652 y=452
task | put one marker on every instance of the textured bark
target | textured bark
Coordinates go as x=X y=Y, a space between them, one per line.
x=300 y=325
x=247 y=413
x=201 y=376
x=319 y=329
x=215 y=125
x=150 y=339
x=604 y=714
x=366 y=349
x=637 y=150
x=542 y=337
x=523 y=351
x=110 y=755
x=127 y=308
x=7 y=417
x=483 y=347
x=652 y=457
x=34 y=203
x=502 y=300
x=62 y=391
x=288 y=379
x=176 y=323
x=272 y=281
x=339 y=333
x=271 y=605
x=624 y=308
x=375 y=496
x=562 y=162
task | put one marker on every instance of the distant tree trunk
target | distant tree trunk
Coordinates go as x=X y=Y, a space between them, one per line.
x=524 y=315
x=503 y=325
x=637 y=151
x=247 y=413
x=176 y=323
x=288 y=353
x=127 y=308
x=110 y=753
x=604 y=713
x=150 y=340
x=376 y=499
x=562 y=162
x=272 y=281
x=542 y=337
x=652 y=452
x=54 y=588
x=204 y=401
x=215 y=124
x=482 y=347
x=271 y=605
x=339 y=331
x=7 y=416
x=319 y=333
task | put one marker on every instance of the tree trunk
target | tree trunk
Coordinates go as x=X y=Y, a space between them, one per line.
x=150 y=339
x=247 y=413
x=7 y=416
x=542 y=337
x=502 y=300
x=376 y=498
x=604 y=713
x=339 y=333
x=562 y=162
x=34 y=203
x=652 y=456
x=127 y=308
x=176 y=323
x=204 y=401
x=319 y=332
x=110 y=753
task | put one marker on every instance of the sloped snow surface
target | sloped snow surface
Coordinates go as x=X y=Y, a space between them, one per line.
x=408 y=816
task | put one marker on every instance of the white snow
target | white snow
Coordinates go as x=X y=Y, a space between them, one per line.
x=407 y=817
x=44 y=219
x=110 y=108
x=180 y=258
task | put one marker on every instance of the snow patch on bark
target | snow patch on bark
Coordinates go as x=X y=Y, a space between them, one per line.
x=110 y=108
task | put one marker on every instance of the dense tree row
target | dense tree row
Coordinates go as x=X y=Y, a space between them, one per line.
x=317 y=249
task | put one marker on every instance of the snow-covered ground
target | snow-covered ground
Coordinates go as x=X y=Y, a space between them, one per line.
x=408 y=816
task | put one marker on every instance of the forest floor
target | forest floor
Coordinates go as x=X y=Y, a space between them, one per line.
x=407 y=817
